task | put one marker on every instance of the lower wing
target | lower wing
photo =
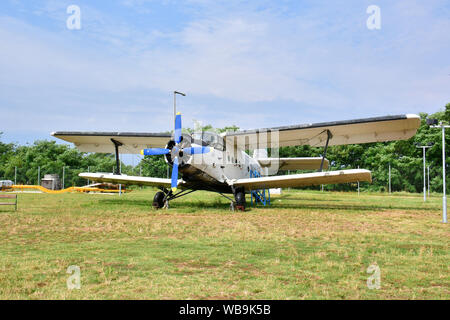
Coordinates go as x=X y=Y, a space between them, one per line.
x=129 y=180
x=304 y=179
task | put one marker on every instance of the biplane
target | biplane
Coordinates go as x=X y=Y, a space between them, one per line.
x=226 y=163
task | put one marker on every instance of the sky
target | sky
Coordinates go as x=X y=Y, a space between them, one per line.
x=247 y=63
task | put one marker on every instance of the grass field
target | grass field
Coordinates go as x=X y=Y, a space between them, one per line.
x=306 y=245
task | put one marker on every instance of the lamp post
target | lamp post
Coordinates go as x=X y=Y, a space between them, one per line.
x=429 y=145
x=175 y=104
x=358 y=184
x=433 y=123
x=389 y=177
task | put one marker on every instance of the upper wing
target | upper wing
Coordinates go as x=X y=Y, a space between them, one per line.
x=129 y=180
x=293 y=163
x=304 y=179
x=132 y=142
x=367 y=130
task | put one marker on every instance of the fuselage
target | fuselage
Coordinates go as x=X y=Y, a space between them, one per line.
x=212 y=170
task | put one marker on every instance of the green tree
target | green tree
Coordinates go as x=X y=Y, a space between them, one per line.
x=403 y=156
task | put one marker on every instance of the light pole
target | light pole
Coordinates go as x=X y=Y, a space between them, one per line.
x=428 y=181
x=358 y=184
x=175 y=104
x=433 y=123
x=389 y=177
x=140 y=173
x=429 y=145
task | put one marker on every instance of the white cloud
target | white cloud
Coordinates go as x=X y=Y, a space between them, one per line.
x=239 y=65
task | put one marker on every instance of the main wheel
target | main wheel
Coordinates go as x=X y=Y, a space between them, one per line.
x=158 y=200
x=239 y=196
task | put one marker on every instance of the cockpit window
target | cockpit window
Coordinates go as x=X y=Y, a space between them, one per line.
x=209 y=139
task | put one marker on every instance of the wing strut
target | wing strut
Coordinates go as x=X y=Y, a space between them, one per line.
x=329 y=136
x=117 y=144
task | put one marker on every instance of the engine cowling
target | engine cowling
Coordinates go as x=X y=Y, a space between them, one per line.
x=177 y=151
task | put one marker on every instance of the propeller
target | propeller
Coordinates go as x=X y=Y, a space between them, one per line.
x=176 y=151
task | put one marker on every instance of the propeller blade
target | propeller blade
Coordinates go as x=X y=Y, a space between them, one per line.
x=175 y=174
x=178 y=128
x=154 y=151
x=196 y=150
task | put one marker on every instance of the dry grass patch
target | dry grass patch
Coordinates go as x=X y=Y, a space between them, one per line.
x=306 y=245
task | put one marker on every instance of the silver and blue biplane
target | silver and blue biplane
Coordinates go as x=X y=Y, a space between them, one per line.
x=237 y=162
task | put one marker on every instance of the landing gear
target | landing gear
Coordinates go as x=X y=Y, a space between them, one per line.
x=239 y=196
x=159 y=200
x=162 y=198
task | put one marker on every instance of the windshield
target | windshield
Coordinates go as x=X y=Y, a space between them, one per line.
x=210 y=139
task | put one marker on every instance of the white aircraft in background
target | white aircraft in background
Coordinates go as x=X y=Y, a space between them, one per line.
x=220 y=163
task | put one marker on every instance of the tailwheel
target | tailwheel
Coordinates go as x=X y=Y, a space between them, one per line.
x=239 y=196
x=159 y=200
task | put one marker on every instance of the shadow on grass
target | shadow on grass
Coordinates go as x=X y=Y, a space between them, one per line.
x=337 y=207
x=126 y=202
x=179 y=204
x=194 y=205
x=287 y=197
x=8 y=211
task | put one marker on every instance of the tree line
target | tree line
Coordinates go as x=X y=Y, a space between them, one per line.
x=24 y=163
